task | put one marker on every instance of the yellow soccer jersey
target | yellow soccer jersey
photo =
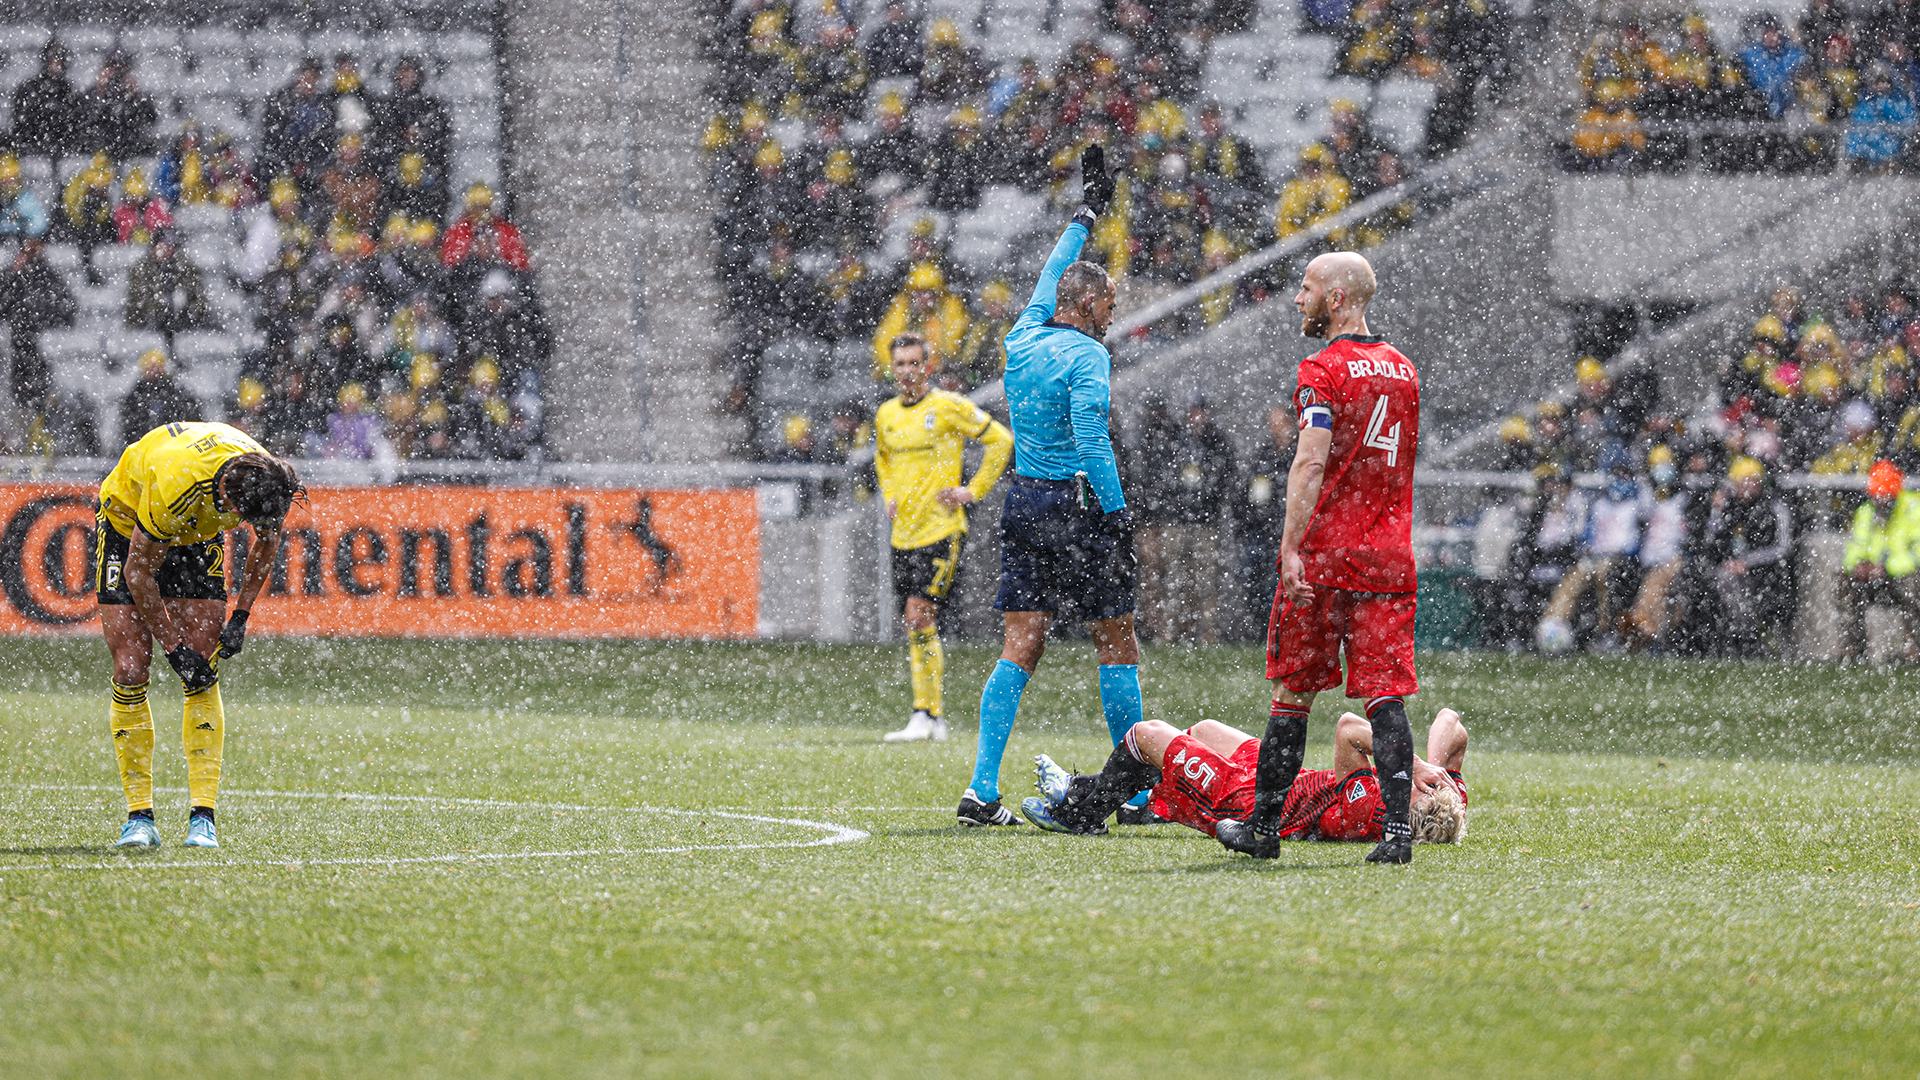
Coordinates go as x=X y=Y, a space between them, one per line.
x=917 y=452
x=164 y=482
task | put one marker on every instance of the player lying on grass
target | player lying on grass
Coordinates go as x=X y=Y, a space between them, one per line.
x=1206 y=774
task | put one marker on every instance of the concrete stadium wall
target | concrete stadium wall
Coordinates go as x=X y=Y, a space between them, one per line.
x=606 y=100
x=1687 y=237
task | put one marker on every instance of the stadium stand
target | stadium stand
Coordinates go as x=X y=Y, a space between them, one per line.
x=899 y=173
x=334 y=196
x=1741 y=89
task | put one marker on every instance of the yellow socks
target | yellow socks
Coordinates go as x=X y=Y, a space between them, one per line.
x=929 y=666
x=204 y=731
x=132 y=725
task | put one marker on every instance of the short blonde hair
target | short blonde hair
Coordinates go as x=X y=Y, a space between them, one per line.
x=1443 y=820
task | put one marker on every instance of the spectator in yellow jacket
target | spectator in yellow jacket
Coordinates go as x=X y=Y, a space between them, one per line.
x=1315 y=193
x=925 y=307
x=1881 y=557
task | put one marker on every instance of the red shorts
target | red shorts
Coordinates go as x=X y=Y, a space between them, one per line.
x=1198 y=787
x=1375 y=630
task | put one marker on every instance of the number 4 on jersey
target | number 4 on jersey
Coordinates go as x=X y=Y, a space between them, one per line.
x=1390 y=442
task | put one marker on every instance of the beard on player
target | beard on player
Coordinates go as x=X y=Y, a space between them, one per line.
x=1314 y=317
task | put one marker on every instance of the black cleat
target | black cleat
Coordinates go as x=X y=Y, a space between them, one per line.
x=976 y=814
x=1248 y=839
x=1394 y=849
x=1137 y=815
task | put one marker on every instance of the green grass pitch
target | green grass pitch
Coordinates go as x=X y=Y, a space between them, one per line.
x=531 y=860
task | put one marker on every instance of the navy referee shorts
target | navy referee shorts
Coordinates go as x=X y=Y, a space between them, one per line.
x=1057 y=556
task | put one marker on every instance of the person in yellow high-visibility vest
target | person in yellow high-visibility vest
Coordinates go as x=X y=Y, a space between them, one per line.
x=1882 y=555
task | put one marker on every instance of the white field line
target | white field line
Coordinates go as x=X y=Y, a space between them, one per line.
x=835 y=834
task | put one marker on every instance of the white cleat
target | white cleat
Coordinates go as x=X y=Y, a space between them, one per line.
x=1050 y=779
x=922 y=726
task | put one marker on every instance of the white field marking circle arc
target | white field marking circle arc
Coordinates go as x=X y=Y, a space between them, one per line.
x=835 y=834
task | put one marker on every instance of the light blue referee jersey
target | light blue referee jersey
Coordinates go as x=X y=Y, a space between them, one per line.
x=1058 y=388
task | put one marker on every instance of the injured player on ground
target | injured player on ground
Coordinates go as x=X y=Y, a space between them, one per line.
x=1206 y=773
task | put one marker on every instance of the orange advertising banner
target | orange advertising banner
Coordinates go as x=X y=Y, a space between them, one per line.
x=438 y=562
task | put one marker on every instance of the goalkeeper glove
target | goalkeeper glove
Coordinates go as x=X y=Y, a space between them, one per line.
x=194 y=670
x=233 y=636
x=1096 y=187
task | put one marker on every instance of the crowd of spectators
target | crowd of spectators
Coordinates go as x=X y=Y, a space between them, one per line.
x=1464 y=49
x=1688 y=544
x=1836 y=87
x=395 y=322
x=823 y=144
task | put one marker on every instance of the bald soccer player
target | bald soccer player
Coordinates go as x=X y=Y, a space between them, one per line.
x=1347 y=579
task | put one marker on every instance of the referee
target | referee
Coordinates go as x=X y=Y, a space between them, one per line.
x=1066 y=538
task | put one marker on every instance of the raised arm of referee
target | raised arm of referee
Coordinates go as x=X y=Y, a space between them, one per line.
x=1066 y=539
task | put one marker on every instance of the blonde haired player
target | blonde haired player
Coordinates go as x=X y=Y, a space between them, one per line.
x=160 y=575
x=918 y=440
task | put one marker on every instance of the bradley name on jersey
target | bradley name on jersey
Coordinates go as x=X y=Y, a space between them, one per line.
x=1385 y=369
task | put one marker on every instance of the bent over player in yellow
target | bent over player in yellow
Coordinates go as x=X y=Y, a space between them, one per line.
x=160 y=574
x=919 y=437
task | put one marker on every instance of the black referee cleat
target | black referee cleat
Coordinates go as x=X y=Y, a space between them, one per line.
x=977 y=814
x=1394 y=849
x=1247 y=838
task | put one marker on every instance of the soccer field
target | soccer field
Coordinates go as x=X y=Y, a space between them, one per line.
x=531 y=860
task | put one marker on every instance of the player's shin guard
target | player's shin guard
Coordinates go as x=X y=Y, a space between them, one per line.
x=1282 y=749
x=1120 y=701
x=1393 y=759
x=203 y=729
x=999 y=705
x=132 y=725
x=1123 y=777
x=928 y=662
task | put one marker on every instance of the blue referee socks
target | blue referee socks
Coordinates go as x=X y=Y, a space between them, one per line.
x=1120 y=700
x=999 y=705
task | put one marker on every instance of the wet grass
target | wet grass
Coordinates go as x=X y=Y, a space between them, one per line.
x=1673 y=869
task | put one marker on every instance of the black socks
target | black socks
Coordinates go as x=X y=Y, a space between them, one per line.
x=1392 y=761
x=1123 y=777
x=1282 y=750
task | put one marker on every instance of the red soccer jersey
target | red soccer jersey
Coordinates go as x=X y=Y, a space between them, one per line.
x=1361 y=534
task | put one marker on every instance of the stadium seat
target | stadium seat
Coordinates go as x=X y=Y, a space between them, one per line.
x=326 y=44
x=214 y=41
x=24 y=37
x=208 y=251
x=100 y=304
x=122 y=346
x=462 y=45
x=471 y=81
x=65 y=347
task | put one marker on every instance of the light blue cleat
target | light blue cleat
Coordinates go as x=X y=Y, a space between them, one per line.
x=200 y=833
x=1050 y=779
x=138 y=832
x=1045 y=815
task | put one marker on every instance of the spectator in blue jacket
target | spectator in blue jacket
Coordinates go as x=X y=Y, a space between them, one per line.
x=1881 y=121
x=22 y=215
x=1771 y=63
